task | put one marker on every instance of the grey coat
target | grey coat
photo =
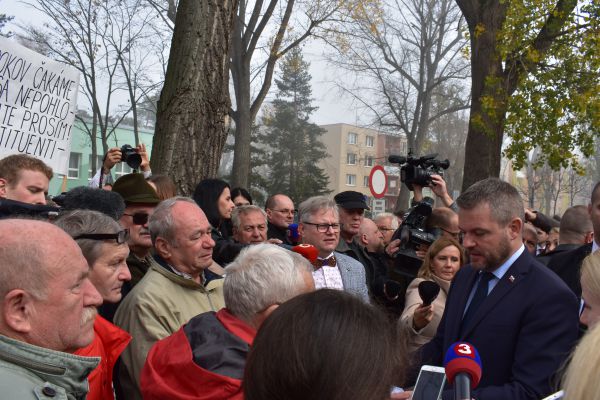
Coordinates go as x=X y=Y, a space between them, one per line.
x=353 y=276
x=32 y=372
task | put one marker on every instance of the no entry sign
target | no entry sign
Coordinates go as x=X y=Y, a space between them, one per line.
x=378 y=182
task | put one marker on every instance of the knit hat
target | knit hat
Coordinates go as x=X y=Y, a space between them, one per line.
x=134 y=189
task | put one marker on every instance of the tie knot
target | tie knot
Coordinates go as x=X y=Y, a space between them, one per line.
x=320 y=262
x=486 y=276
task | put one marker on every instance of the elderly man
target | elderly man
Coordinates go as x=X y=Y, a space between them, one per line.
x=280 y=214
x=387 y=224
x=103 y=243
x=249 y=224
x=211 y=349
x=320 y=226
x=519 y=316
x=24 y=178
x=47 y=310
x=176 y=288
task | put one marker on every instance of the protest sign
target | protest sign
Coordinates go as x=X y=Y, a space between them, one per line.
x=38 y=99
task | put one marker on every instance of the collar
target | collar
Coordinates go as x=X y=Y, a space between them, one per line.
x=236 y=326
x=65 y=370
x=501 y=270
x=161 y=266
x=595 y=246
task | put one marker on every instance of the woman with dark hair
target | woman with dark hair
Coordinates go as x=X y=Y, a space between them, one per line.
x=164 y=186
x=442 y=261
x=324 y=345
x=241 y=197
x=214 y=198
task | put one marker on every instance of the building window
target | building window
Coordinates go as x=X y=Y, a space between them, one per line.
x=74 y=162
x=369 y=142
x=121 y=169
x=369 y=161
x=350 y=180
x=366 y=181
x=98 y=166
x=352 y=138
x=351 y=159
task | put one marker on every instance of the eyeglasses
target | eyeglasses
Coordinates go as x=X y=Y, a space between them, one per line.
x=455 y=235
x=139 y=218
x=384 y=229
x=325 y=227
x=121 y=236
x=285 y=211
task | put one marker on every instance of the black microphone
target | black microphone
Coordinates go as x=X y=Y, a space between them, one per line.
x=428 y=291
x=396 y=159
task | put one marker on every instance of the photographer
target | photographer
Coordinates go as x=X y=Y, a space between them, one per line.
x=438 y=186
x=114 y=156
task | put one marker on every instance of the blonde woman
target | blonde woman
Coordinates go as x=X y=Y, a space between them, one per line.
x=582 y=379
x=443 y=259
x=590 y=290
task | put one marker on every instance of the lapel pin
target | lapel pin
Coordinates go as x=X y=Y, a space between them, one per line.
x=511 y=279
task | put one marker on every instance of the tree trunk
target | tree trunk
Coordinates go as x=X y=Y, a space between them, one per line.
x=192 y=118
x=489 y=99
x=240 y=172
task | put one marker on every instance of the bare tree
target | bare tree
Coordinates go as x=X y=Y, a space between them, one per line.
x=263 y=33
x=402 y=53
x=193 y=109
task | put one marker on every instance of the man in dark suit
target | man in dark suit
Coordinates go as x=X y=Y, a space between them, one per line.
x=519 y=316
x=575 y=231
x=568 y=264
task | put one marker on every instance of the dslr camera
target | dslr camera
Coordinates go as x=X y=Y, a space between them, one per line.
x=130 y=156
x=418 y=170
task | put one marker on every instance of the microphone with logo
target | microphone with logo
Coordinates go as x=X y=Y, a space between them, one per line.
x=463 y=369
x=428 y=291
x=293 y=234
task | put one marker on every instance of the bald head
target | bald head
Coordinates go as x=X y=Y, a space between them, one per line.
x=370 y=236
x=29 y=252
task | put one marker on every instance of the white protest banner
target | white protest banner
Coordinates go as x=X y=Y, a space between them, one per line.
x=38 y=99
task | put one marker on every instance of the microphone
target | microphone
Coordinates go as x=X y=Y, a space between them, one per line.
x=463 y=369
x=396 y=159
x=307 y=251
x=428 y=291
x=293 y=233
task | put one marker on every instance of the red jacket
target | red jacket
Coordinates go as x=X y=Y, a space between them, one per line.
x=109 y=342
x=203 y=360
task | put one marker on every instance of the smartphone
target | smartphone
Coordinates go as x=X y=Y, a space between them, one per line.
x=430 y=383
x=555 y=396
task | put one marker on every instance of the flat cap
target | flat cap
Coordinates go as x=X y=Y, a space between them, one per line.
x=351 y=199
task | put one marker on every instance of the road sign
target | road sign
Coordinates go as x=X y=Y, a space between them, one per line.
x=378 y=182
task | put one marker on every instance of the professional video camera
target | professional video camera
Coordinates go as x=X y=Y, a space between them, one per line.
x=412 y=233
x=418 y=170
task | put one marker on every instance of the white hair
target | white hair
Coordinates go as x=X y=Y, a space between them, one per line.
x=263 y=275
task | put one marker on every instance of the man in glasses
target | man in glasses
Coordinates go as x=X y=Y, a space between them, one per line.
x=140 y=201
x=319 y=225
x=280 y=214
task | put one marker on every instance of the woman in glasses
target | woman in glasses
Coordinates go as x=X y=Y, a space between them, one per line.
x=442 y=261
x=103 y=243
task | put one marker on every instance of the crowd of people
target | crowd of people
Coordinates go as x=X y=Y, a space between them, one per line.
x=124 y=290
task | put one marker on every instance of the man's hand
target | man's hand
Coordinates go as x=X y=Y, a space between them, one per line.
x=421 y=251
x=392 y=247
x=530 y=215
x=110 y=159
x=401 y=395
x=438 y=186
x=141 y=150
x=417 y=193
x=274 y=241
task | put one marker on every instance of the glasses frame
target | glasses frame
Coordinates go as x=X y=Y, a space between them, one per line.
x=327 y=226
x=120 y=237
x=293 y=212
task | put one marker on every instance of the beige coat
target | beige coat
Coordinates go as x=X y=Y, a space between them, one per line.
x=418 y=338
x=157 y=307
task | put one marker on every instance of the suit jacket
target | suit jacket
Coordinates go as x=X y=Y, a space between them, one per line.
x=524 y=330
x=561 y=248
x=567 y=266
x=353 y=276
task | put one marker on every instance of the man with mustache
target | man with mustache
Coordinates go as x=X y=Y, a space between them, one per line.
x=47 y=311
x=103 y=243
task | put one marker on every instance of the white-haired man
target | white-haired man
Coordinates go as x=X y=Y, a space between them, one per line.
x=210 y=350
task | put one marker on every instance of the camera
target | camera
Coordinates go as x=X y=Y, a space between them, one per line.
x=130 y=156
x=412 y=233
x=418 y=170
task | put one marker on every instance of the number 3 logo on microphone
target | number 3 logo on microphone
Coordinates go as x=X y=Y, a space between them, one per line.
x=464 y=349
